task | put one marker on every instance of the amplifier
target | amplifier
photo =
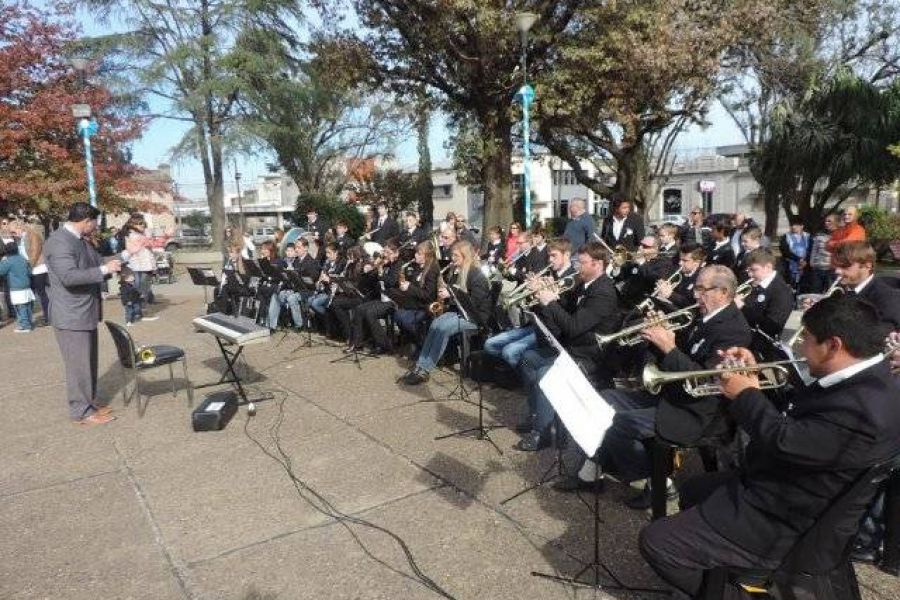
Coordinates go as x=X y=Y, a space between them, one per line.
x=215 y=411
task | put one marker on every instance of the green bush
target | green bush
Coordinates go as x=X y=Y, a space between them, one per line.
x=882 y=228
x=331 y=209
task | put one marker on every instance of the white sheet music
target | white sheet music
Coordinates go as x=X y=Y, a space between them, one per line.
x=580 y=407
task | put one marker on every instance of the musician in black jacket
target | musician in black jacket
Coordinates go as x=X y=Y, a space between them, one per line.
x=751 y=239
x=591 y=308
x=384 y=227
x=411 y=235
x=317 y=228
x=854 y=263
x=416 y=290
x=539 y=255
x=366 y=316
x=622 y=227
x=468 y=280
x=668 y=242
x=796 y=463
x=342 y=238
x=720 y=252
x=673 y=415
x=494 y=250
x=691 y=259
x=640 y=277
x=296 y=300
x=695 y=231
x=362 y=273
x=771 y=299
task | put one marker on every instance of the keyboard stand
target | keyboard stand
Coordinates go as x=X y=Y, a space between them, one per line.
x=230 y=375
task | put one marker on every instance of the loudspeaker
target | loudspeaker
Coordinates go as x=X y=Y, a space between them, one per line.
x=215 y=411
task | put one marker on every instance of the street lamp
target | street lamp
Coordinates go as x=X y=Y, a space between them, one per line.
x=86 y=126
x=237 y=184
x=525 y=95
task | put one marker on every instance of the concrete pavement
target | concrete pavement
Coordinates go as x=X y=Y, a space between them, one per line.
x=147 y=508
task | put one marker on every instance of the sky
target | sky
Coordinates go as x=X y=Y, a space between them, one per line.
x=154 y=148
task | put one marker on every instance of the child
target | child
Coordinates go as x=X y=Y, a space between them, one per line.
x=130 y=296
x=18 y=273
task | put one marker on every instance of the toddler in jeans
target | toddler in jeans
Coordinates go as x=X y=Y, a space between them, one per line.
x=130 y=296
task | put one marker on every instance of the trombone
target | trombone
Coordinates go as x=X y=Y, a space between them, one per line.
x=618 y=256
x=521 y=291
x=706 y=382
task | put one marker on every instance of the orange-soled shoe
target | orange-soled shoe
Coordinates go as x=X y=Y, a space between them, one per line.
x=103 y=410
x=96 y=419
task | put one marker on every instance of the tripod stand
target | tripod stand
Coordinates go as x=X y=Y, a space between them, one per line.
x=557 y=464
x=482 y=431
x=356 y=356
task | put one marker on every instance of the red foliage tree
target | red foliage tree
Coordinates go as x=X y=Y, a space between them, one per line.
x=42 y=167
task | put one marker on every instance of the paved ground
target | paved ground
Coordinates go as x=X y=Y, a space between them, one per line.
x=146 y=508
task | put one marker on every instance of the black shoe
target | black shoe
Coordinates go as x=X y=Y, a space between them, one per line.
x=643 y=500
x=532 y=442
x=574 y=483
x=864 y=555
x=525 y=426
x=415 y=377
x=891 y=568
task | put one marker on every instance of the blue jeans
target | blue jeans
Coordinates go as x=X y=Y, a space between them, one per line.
x=511 y=345
x=133 y=312
x=293 y=300
x=409 y=319
x=23 y=316
x=439 y=333
x=534 y=364
x=142 y=283
x=319 y=303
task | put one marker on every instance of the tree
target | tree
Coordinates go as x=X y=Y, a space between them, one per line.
x=393 y=187
x=834 y=142
x=466 y=54
x=179 y=51
x=424 y=186
x=629 y=79
x=42 y=166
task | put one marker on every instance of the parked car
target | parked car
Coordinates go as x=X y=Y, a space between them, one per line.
x=263 y=234
x=188 y=238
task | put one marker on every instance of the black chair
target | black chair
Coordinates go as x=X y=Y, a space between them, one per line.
x=818 y=566
x=135 y=359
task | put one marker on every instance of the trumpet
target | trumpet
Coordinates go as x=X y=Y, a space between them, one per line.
x=674 y=279
x=438 y=307
x=631 y=336
x=147 y=356
x=618 y=256
x=560 y=286
x=521 y=291
x=705 y=382
x=798 y=335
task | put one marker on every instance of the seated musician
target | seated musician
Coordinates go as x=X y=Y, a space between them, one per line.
x=691 y=258
x=290 y=262
x=342 y=239
x=854 y=263
x=538 y=256
x=591 y=308
x=300 y=260
x=493 y=250
x=334 y=267
x=771 y=299
x=668 y=242
x=676 y=416
x=416 y=290
x=366 y=317
x=466 y=278
x=411 y=235
x=511 y=345
x=362 y=273
x=639 y=277
x=751 y=239
x=797 y=463
x=268 y=288
x=519 y=266
x=232 y=287
x=446 y=238
x=720 y=251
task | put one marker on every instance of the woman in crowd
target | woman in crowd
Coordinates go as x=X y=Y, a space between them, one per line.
x=140 y=259
x=416 y=291
x=334 y=267
x=512 y=240
x=363 y=275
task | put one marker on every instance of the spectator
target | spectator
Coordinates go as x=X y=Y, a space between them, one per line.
x=140 y=260
x=740 y=223
x=821 y=274
x=34 y=253
x=129 y=296
x=15 y=268
x=851 y=231
x=795 y=247
x=623 y=227
x=580 y=227
x=695 y=231
x=512 y=240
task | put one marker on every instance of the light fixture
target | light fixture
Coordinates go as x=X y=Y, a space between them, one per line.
x=524 y=21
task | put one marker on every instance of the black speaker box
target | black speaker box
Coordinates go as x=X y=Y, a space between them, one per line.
x=215 y=411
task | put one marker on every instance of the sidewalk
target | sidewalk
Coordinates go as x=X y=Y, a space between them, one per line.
x=146 y=508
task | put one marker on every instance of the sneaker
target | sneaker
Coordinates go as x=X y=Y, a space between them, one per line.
x=415 y=377
x=129 y=324
x=20 y=330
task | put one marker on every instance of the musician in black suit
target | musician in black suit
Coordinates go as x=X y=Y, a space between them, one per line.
x=411 y=235
x=591 y=308
x=695 y=231
x=690 y=261
x=622 y=227
x=296 y=300
x=640 y=277
x=467 y=281
x=796 y=463
x=342 y=238
x=366 y=317
x=771 y=299
x=751 y=239
x=416 y=290
x=673 y=414
x=854 y=263
x=538 y=257
x=668 y=242
x=720 y=252
x=494 y=250
x=317 y=228
x=384 y=227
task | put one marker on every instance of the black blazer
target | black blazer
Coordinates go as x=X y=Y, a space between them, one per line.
x=630 y=236
x=886 y=299
x=576 y=317
x=740 y=266
x=689 y=234
x=768 y=309
x=344 y=243
x=537 y=259
x=797 y=463
x=422 y=289
x=683 y=294
x=640 y=280
x=479 y=296
x=308 y=267
x=388 y=230
x=724 y=255
x=417 y=235
x=493 y=252
x=681 y=418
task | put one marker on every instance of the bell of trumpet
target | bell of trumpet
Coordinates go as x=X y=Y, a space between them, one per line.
x=703 y=383
x=147 y=356
x=631 y=335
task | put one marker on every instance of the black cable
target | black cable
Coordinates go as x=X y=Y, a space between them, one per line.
x=329 y=510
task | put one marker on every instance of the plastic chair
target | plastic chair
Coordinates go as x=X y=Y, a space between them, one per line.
x=131 y=361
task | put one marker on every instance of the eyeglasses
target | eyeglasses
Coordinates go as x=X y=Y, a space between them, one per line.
x=699 y=289
x=696 y=212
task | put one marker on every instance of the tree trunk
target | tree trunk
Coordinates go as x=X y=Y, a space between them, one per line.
x=772 y=207
x=633 y=177
x=424 y=184
x=497 y=173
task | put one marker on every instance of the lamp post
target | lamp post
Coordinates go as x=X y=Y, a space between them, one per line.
x=525 y=95
x=237 y=184
x=86 y=126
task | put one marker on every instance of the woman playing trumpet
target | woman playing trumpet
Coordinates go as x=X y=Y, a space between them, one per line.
x=466 y=279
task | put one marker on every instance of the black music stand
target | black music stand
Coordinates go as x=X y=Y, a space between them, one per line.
x=255 y=276
x=301 y=284
x=354 y=355
x=548 y=476
x=205 y=278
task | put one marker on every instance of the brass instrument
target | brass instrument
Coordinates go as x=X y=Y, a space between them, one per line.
x=743 y=290
x=798 y=335
x=146 y=355
x=674 y=279
x=620 y=255
x=401 y=276
x=631 y=335
x=705 y=382
x=438 y=307
x=560 y=286
x=520 y=292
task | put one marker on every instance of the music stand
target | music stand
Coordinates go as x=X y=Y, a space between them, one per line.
x=300 y=284
x=355 y=355
x=205 y=278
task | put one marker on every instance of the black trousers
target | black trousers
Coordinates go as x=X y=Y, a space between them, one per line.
x=366 y=320
x=340 y=312
x=681 y=547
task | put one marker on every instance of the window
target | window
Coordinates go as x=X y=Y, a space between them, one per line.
x=564 y=177
x=671 y=202
x=563 y=208
x=518 y=184
x=707 y=202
